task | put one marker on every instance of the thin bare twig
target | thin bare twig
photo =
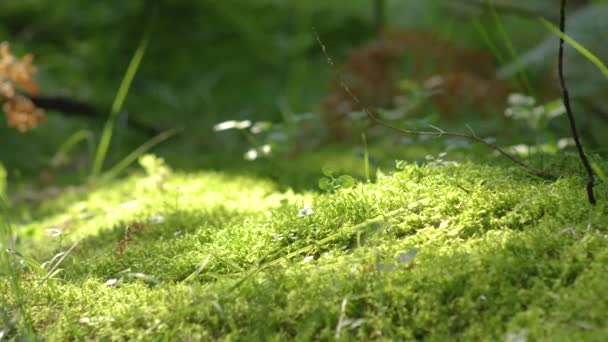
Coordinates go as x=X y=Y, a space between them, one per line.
x=438 y=133
x=566 y=98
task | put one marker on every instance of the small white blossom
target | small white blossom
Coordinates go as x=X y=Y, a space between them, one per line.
x=266 y=149
x=521 y=100
x=565 y=142
x=222 y=126
x=53 y=231
x=260 y=127
x=251 y=155
x=111 y=282
x=306 y=211
x=156 y=219
x=309 y=258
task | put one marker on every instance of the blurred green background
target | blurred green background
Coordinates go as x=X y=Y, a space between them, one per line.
x=212 y=61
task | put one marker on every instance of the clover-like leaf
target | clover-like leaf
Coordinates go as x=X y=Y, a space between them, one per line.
x=306 y=211
x=325 y=184
x=346 y=181
x=327 y=171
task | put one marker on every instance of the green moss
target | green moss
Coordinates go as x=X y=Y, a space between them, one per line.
x=499 y=253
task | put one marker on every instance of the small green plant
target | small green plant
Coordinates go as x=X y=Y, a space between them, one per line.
x=537 y=117
x=330 y=183
x=267 y=139
x=439 y=160
x=251 y=131
x=16 y=319
x=157 y=171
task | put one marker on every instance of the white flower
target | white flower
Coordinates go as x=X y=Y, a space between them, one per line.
x=53 y=231
x=565 y=142
x=260 y=127
x=521 y=100
x=222 y=126
x=111 y=282
x=309 y=258
x=156 y=219
x=266 y=149
x=306 y=211
x=251 y=155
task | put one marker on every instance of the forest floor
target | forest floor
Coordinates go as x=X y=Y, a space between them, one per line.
x=434 y=250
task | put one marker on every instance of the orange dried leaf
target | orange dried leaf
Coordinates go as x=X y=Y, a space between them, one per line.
x=22 y=114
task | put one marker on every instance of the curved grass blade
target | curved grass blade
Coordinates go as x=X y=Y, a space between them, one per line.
x=131 y=157
x=577 y=46
x=121 y=95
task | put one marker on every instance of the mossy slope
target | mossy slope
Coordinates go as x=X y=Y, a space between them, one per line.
x=209 y=256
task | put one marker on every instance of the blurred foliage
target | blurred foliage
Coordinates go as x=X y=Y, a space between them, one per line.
x=2 y=180
x=226 y=60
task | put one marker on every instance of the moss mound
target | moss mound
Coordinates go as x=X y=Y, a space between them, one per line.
x=439 y=252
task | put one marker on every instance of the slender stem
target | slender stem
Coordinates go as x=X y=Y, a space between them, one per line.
x=379 y=16
x=119 y=100
x=566 y=99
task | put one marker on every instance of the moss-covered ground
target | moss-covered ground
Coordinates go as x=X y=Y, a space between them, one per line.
x=431 y=251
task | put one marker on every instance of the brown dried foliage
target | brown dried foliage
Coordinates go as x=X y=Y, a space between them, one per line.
x=15 y=74
x=372 y=74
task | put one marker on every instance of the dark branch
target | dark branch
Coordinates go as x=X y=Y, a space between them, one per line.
x=71 y=107
x=566 y=98
x=64 y=105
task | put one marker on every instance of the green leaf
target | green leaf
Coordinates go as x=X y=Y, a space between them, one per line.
x=346 y=181
x=410 y=85
x=599 y=172
x=327 y=171
x=400 y=164
x=325 y=184
x=555 y=108
x=357 y=116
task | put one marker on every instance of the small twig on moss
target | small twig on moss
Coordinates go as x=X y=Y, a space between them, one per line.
x=438 y=133
x=566 y=99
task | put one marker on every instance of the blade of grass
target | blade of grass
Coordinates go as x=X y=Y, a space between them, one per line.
x=488 y=41
x=71 y=142
x=53 y=269
x=11 y=272
x=576 y=45
x=131 y=157
x=509 y=45
x=197 y=271
x=365 y=157
x=599 y=172
x=121 y=95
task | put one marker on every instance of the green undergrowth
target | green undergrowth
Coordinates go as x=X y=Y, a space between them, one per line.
x=429 y=251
